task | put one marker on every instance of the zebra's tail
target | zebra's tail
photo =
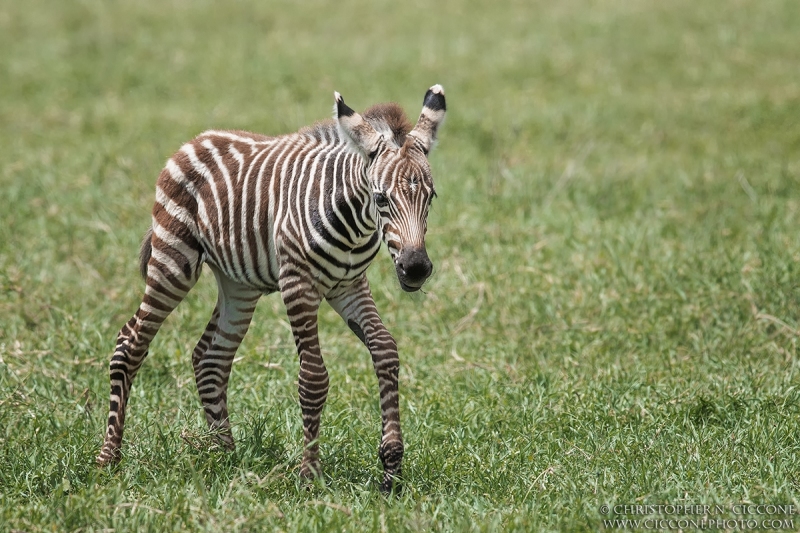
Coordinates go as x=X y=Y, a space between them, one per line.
x=145 y=251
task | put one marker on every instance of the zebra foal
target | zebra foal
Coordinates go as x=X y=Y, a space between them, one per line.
x=303 y=214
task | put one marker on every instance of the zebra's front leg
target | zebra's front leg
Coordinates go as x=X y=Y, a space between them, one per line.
x=358 y=310
x=302 y=305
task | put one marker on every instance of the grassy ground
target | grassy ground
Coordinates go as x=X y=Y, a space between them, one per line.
x=614 y=317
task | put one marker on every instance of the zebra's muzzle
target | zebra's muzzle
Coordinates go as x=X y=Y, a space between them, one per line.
x=413 y=268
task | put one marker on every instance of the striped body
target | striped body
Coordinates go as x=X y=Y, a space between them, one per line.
x=268 y=189
x=303 y=214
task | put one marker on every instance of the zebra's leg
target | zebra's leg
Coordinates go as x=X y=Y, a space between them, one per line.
x=170 y=276
x=358 y=310
x=302 y=304
x=213 y=357
x=205 y=340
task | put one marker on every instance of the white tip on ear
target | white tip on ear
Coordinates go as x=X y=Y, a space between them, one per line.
x=437 y=89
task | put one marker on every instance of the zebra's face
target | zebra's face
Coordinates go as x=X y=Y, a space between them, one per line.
x=402 y=195
x=400 y=177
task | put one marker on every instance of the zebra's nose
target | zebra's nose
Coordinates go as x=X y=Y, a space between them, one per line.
x=414 y=267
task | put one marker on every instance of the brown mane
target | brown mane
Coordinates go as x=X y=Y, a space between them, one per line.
x=392 y=116
x=385 y=118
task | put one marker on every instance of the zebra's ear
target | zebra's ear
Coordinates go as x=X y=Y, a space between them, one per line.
x=432 y=116
x=357 y=131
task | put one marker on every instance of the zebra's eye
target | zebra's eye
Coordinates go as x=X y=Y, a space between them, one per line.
x=380 y=199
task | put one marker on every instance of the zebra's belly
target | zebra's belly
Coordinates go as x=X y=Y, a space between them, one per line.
x=327 y=266
x=253 y=266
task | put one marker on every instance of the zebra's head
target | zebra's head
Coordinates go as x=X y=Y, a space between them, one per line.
x=399 y=176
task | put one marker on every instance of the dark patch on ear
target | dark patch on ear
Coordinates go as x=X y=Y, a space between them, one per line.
x=341 y=108
x=357 y=330
x=434 y=101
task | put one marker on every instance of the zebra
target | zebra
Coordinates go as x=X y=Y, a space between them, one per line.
x=303 y=214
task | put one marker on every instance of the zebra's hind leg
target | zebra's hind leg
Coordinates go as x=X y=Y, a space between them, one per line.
x=170 y=276
x=358 y=310
x=213 y=357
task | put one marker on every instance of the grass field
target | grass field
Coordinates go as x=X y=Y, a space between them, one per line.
x=615 y=314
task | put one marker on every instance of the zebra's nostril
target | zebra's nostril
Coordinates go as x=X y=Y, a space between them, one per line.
x=417 y=270
x=413 y=265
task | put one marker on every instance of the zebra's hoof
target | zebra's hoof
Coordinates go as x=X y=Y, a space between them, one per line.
x=108 y=458
x=311 y=471
x=391 y=485
x=226 y=442
x=311 y=476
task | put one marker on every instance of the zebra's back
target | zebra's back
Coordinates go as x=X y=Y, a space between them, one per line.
x=243 y=202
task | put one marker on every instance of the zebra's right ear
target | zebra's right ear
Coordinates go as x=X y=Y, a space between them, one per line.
x=355 y=130
x=432 y=116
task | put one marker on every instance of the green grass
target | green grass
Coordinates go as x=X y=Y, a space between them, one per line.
x=614 y=316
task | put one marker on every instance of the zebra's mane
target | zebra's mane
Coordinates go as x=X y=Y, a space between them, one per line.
x=388 y=119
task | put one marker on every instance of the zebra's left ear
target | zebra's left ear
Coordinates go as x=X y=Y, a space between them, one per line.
x=357 y=131
x=432 y=116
